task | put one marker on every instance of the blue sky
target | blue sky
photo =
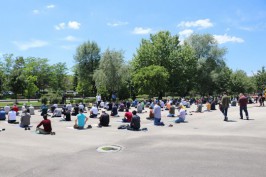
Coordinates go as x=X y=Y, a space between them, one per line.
x=53 y=29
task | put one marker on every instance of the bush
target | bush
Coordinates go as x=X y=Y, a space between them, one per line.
x=78 y=101
x=55 y=100
x=90 y=100
x=44 y=100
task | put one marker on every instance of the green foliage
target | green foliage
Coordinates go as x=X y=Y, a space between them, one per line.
x=44 y=100
x=30 y=88
x=87 y=61
x=241 y=83
x=210 y=59
x=151 y=80
x=260 y=79
x=109 y=75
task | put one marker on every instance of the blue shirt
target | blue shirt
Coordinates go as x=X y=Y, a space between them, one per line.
x=81 y=120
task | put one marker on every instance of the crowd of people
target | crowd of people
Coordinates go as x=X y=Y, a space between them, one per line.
x=155 y=106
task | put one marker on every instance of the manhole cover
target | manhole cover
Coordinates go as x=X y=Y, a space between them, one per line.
x=109 y=148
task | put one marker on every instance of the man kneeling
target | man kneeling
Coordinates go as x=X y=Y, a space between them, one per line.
x=135 y=122
x=182 y=115
x=104 y=119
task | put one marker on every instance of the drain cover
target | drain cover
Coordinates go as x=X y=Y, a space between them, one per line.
x=109 y=148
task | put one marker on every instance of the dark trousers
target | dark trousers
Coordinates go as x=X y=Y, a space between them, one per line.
x=224 y=111
x=243 y=108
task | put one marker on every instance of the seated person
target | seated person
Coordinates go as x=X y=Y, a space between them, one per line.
x=208 y=106
x=2 y=114
x=64 y=109
x=114 y=111
x=104 y=119
x=47 y=127
x=25 y=119
x=44 y=109
x=93 y=111
x=139 y=108
x=15 y=108
x=31 y=108
x=199 y=108
x=57 y=113
x=151 y=114
x=110 y=107
x=135 y=122
x=24 y=107
x=81 y=120
x=7 y=109
x=12 y=117
x=102 y=104
x=53 y=108
x=168 y=105
x=162 y=104
x=171 y=111
x=181 y=115
x=213 y=103
x=121 y=107
x=67 y=116
x=128 y=116
x=81 y=106
x=76 y=110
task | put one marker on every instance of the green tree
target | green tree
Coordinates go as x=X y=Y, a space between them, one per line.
x=87 y=59
x=17 y=79
x=31 y=88
x=108 y=78
x=40 y=68
x=260 y=79
x=151 y=80
x=210 y=58
x=59 y=77
x=241 y=83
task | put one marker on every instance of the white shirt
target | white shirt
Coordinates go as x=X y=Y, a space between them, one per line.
x=98 y=97
x=69 y=107
x=12 y=115
x=81 y=106
x=182 y=114
x=94 y=110
x=102 y=104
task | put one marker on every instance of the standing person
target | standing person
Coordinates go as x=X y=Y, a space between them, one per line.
x=104 y=119
x=98 y=99
x=224 y=105
x=81 y=120
x=157 y=114
x=47 y=127
x=243 y=101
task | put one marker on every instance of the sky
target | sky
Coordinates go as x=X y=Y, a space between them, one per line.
x=54 y=29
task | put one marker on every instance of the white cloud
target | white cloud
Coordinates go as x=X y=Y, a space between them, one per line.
x=30 y=44
x=185 y=33
x=50 y=6
x=118 y=23
x=140 y=30
x=36 y=11
x=73 y=24
x=60 y=26
x=203 y=23
x=225 y=38
x=71 y=38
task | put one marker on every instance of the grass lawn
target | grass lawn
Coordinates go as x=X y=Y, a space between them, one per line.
x=2 y=104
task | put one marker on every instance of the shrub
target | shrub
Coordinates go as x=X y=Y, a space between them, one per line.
x=44 y=100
